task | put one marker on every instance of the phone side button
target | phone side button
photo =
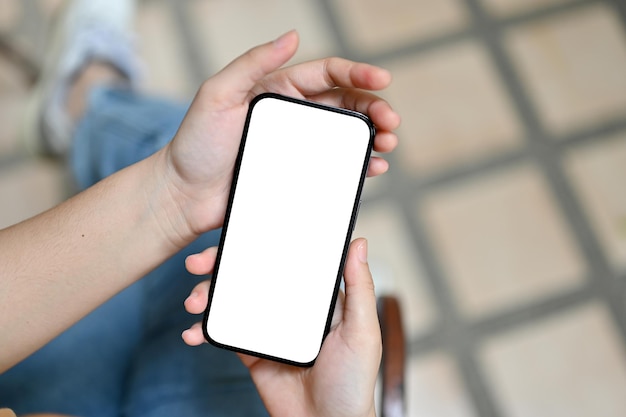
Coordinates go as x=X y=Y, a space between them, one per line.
x=356 y=216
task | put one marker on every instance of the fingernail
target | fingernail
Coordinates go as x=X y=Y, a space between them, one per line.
x=362 y=251
x=282 y=40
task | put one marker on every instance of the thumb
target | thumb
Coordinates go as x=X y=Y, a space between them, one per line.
x=232 y=85
x=359 y=317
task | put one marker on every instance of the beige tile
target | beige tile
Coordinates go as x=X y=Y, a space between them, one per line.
x=10 y=14
x=162 y=51
x=506 y=8
x=372 y=25
x=50 y=7
x=395 y=264
x=573 y=66
x=571 y=365
x=434 y=388
x=29 y=189
x=598 y=170
x=454 y=109
x=228 y=28
x=501 y=240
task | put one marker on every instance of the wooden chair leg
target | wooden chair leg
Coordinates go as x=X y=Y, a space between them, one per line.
x=393 y=361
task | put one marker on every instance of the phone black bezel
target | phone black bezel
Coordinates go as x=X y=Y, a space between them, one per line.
x=353 y=217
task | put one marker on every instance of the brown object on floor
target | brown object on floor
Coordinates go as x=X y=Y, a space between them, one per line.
x=393 y=361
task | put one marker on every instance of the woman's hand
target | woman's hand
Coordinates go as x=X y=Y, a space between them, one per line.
x=341 y=383
x=200 y=159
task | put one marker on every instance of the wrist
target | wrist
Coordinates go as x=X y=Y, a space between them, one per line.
x=167 y=203
x=186 y=210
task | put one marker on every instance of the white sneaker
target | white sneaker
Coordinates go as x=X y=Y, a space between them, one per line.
x=86 y=30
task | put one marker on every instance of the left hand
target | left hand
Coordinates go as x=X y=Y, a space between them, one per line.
x=200 y=159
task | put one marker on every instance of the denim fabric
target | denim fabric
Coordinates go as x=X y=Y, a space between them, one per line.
x=127 y=358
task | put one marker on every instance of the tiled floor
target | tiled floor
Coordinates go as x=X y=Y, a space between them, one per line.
x=502 y=224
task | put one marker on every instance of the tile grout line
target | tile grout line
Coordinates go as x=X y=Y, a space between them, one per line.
x=12 y=160
x=432 y=181
x=189 y=42
x=37 y=27
x=586 y=135
x=620 y=6
x=337 y=33
x=504 y=321
x=435 y=42
x=473 y=31
x=545 y=11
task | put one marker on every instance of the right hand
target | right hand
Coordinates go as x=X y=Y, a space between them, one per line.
x=341 y=383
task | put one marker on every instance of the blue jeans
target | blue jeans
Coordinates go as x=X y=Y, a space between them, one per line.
x=127 y=358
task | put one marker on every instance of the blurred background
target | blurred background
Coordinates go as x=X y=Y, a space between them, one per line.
x=502 y=223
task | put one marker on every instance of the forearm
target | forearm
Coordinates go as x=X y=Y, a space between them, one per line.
x=58 y=266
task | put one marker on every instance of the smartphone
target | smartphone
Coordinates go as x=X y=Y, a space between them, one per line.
x=293 y=204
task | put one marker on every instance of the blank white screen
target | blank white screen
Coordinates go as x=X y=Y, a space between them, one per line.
x=288 y=223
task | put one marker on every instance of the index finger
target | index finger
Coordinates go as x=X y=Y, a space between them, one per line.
x=202 y=263
x=315 y=77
